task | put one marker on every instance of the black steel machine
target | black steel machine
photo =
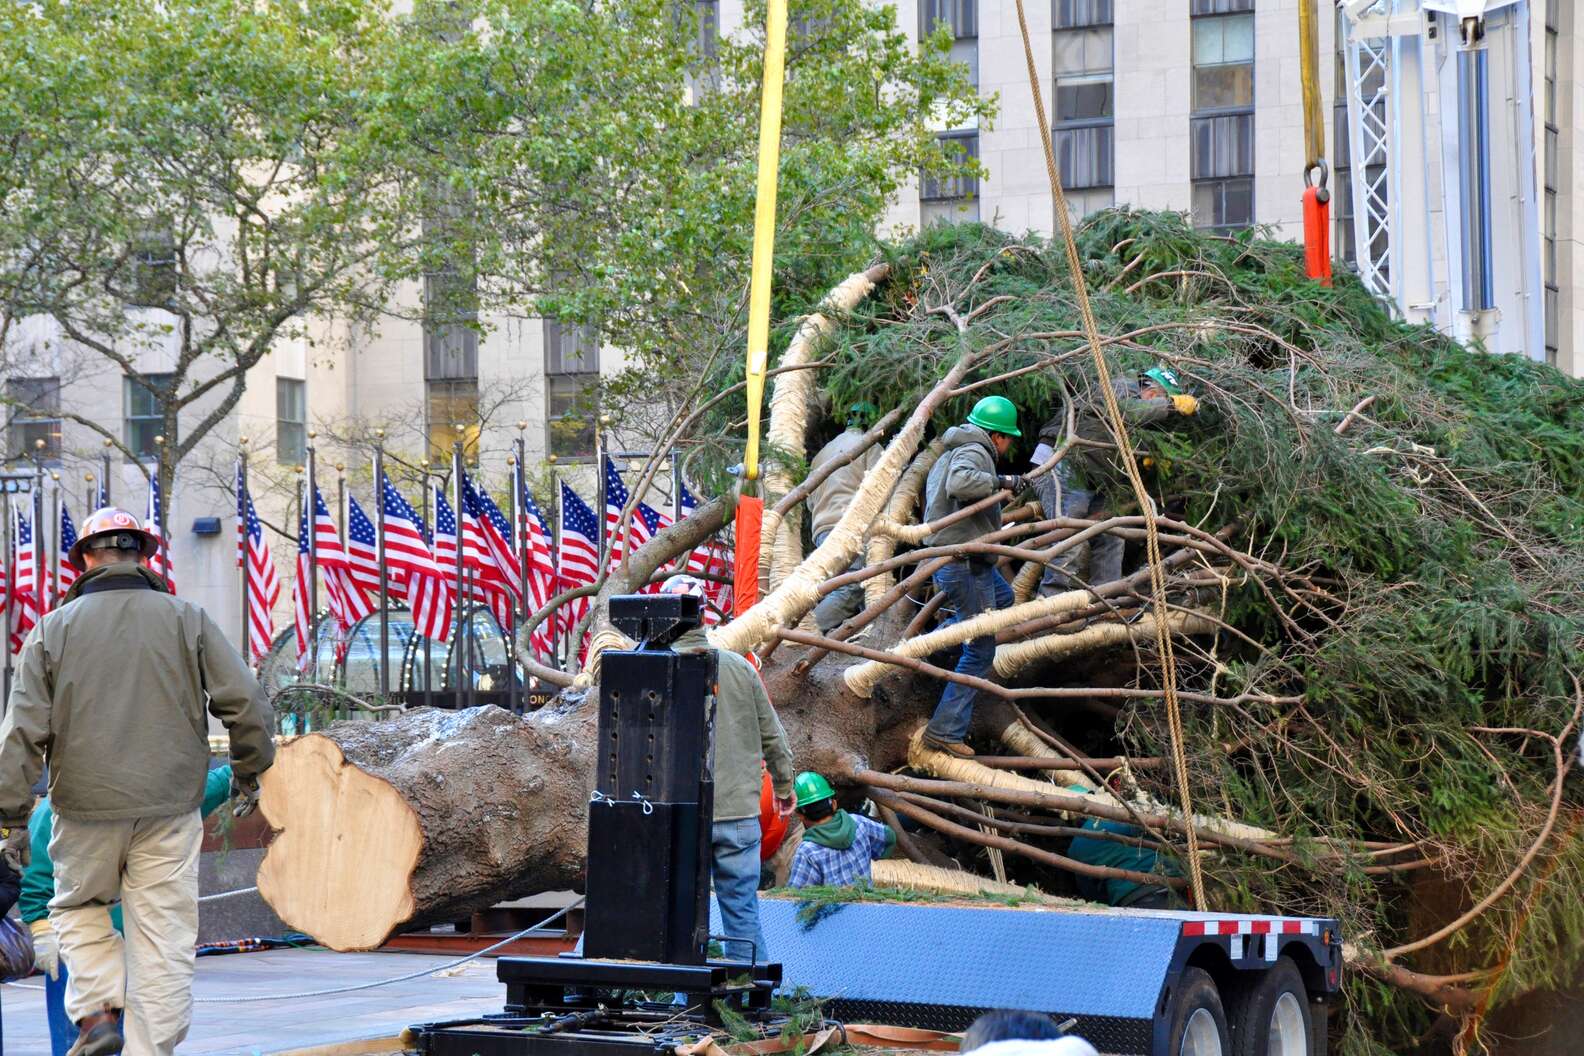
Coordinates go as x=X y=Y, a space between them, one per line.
x=646 y=923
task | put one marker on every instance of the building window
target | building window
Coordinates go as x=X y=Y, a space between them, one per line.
x=952 y=198
x=450 y=330
x=153 y=258
x=960 y=18
x=452 y=412
x=291 y=421
x=33 y=407
x=1222 y=121
x=571 y=388
x=1083 y=106
x=1552 y=134
x=145 y=419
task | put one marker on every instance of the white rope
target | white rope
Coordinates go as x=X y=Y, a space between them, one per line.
x=227 y=894
x=551 y=919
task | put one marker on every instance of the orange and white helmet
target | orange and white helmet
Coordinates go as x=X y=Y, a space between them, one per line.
x=111 y=521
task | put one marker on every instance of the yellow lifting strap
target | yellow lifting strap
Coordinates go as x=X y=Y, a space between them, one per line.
x=764 y=223
x=1309 y=71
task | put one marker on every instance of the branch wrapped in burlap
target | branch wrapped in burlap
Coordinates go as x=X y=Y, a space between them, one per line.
x=781 y=544
x=1013 y=657
x=898 y=511
x=899 y=874
x=799 y=592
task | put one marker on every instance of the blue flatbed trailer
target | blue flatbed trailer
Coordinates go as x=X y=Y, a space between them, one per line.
x=1135 y=982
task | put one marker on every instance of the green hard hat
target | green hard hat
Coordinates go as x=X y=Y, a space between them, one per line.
x=1165 y=377
x=862 y=413
x=995 y=414
x=810 y=787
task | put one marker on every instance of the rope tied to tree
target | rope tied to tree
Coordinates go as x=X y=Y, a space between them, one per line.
x=1163 y=635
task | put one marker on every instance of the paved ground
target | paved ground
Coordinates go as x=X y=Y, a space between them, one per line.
x=294 y=1022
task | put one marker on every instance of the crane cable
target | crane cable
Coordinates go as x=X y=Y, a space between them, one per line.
x=1163 y=638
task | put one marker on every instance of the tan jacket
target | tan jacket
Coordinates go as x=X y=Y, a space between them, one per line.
x=831 y=499
x=112 y=689
x=747 y=730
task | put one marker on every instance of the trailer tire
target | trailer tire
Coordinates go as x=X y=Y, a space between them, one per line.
x=1198 y=1020
x=1271 y=1015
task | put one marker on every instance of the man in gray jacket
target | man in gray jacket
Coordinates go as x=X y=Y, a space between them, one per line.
x=964 y=474
x=112 y=690
x=747 y=732
x=829 y=501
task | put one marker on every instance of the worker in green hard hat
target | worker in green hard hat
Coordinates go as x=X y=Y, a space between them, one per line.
x=1092 y=483
x=830 y=500
x=964 y=474
x=837 y=847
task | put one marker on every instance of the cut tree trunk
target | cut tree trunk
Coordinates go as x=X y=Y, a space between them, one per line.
x=423 y=818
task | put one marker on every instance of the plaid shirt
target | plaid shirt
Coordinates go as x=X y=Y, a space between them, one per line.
x=816 y=865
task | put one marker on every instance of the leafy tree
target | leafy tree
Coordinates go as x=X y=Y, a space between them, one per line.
x=178 y=196
x=597 y=161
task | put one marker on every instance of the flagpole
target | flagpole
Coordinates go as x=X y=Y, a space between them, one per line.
x=459 y=638
x=242 y=552
x=8 y=559
x=105 y=470
x=603 y=558
x=39 y=535
x=159 y=519
x=379 y=557
x=55 y=508
x=428 y=642
x=311 y=514
x=515 y=515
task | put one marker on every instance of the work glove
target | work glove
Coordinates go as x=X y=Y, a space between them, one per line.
x=18 y=850
x=46 y=947
x=1012 y=483
x=244 y=794
x=784 y=806
x=1185 y=404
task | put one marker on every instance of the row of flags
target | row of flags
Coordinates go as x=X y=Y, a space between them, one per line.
x=25 y=596
x=472 y=552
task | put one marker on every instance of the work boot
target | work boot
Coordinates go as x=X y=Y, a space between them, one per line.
x=957 y=748
x=98 y=1034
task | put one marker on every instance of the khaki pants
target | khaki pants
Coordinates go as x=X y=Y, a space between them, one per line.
x=150 y=865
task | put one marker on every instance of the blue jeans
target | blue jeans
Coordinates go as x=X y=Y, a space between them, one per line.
x=63 y=1032
x=842 y=604
x=1103 y=551
x=735 y=870
x=969 y=592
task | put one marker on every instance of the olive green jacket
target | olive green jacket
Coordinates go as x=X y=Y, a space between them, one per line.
x=831 y=499
x=112 y=690
x=746 y=730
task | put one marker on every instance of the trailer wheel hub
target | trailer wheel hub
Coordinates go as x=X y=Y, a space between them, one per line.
x=1287 y=1034
x=1201 y=1037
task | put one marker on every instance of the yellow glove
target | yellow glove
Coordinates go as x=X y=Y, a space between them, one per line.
x=46 y=947
x=1185 y=405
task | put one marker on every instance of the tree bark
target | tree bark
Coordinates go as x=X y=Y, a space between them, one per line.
x=423 y=818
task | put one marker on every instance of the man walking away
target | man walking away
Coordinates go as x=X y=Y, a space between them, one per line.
x=964 y=474
x=830 y=500
x=119 y=715
x=747 y=732
x=838 y=848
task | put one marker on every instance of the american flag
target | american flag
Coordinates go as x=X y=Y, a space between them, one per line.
x=263 y=585
x=712 y=558
x=362 y=549
x=646 y=524
x=577 y=561
x=159 y=563
x=541 y=569
x=615 y=502
x=301 y=603
x=25 y=587
x=414 y=572
x=102 y=497
x=495 y=583
x=497 y=534
x=349 y=603
x=65 y=573
x=445 y=545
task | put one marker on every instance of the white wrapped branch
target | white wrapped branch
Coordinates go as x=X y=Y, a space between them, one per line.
x=899 y=511
x=901 y=874
x=799 y=592
x=1013 y=657
x=781 y=547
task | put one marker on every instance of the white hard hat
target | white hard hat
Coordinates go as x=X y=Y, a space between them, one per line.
x=682 y=583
